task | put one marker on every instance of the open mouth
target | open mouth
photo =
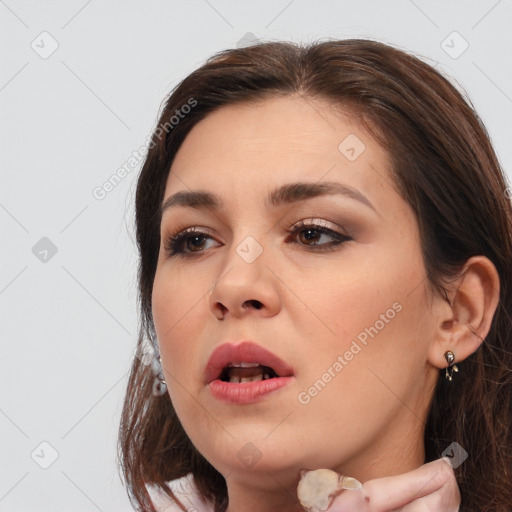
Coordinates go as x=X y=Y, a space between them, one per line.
x=244 y=362
x=246 y=372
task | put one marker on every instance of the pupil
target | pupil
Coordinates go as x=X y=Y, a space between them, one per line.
x=310 y=234
x=196 y=241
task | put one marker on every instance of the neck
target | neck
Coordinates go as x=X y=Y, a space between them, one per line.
x=268 y=496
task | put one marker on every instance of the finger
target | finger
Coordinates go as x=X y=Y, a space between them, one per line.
x=419 y=506
x=390 y=493
x=350 y=501
x=426 y=504
x=444 y=499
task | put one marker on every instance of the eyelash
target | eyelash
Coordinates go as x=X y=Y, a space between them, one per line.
x=174 y=244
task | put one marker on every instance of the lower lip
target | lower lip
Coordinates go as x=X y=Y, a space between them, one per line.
x=246 y=392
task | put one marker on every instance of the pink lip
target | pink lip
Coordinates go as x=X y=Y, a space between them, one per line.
x=244 y=392
x=246 y=351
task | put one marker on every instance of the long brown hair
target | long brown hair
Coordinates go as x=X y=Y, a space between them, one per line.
x=445 y=168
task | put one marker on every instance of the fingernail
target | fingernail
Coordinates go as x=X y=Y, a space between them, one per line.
x=347 y=482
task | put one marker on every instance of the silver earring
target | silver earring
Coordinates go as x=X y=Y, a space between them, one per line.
x=159 y=384
x=160 y=375
x=452 y=367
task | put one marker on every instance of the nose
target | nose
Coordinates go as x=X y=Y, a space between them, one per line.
x=245 y=289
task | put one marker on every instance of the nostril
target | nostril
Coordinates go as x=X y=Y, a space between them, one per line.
x=254 y=303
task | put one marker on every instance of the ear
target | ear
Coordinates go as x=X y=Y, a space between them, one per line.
x=463 y=324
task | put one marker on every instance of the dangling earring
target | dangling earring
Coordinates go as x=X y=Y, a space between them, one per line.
x=159 y=384
x=452 y=367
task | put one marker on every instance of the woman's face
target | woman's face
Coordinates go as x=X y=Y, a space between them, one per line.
x=329 y=278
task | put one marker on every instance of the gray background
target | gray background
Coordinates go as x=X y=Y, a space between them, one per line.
x=69 y=120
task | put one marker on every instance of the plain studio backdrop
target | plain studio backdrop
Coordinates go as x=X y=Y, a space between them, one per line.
x=81 y=83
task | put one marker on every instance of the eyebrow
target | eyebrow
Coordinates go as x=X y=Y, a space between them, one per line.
x=286 y=194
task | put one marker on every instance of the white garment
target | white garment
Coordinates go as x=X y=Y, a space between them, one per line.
x=186 y=491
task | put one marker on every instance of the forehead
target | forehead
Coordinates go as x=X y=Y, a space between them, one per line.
x=277 y=140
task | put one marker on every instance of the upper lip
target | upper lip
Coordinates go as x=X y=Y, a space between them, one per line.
x=245 y=351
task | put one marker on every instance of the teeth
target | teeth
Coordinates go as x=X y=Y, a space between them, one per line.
x=247 y=372
x=251 y=379
x=255 y=378
x=243 y=365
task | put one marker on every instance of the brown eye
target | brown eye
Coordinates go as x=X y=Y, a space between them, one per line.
x=187 y=242
x=310 y=236
x=194 y=242
x=319 y=237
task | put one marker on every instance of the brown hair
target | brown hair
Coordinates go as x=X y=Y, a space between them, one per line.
x=445 y=168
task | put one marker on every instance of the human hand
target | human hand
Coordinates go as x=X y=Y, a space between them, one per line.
x=429 y=488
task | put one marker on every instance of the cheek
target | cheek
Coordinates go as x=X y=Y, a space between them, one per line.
x=178 y=303
x=357 y=385
x=373 y=323
x=359 y=297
